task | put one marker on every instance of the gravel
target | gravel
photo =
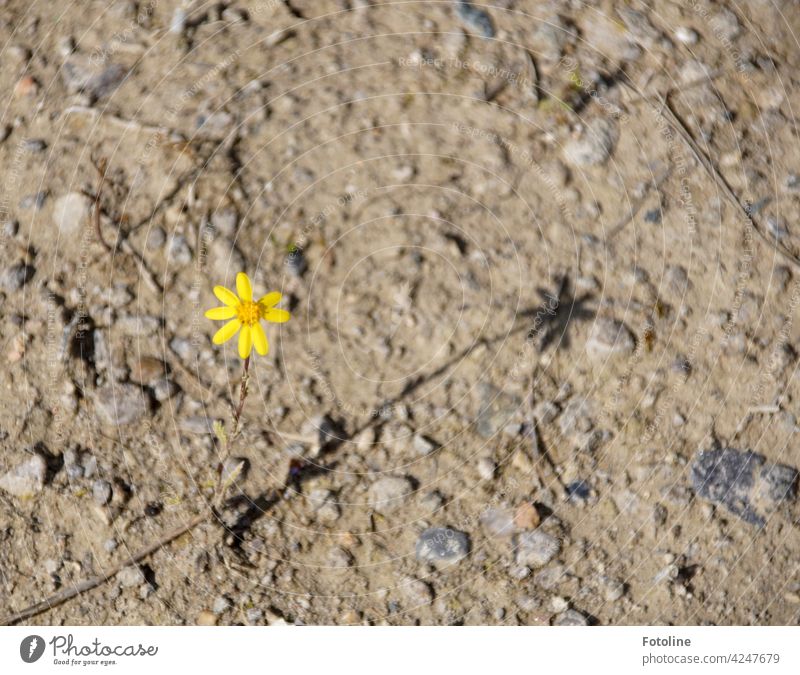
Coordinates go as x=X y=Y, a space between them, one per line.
x=536 y=549
x=26 y=479
x=442 y=545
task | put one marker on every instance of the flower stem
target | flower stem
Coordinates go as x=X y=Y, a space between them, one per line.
x=219 y=490
x=237 y=413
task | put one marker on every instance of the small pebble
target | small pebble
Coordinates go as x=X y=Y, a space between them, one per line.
x=417 y=592
x=536 y=548
x=131 y=576
x=206 y=618
x=101 y=492
x=526 y=517
x=609 y=337
x=570 y=618
x=71 y=213
x=390 y=493
x=16 y=276
x=486 y=468
x=423 y=445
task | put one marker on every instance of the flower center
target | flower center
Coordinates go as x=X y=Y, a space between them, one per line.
x=248 y=312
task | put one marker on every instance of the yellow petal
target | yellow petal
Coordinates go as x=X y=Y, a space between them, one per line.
x=226 y=332
x=270 y=299
x=225 y=296
x=260 y=339
x=221 y=313
x=245 y=342
x=277 y=315
x=243 y=287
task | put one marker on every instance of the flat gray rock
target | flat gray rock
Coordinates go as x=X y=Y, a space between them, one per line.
x=442 y=545
x=742 y=482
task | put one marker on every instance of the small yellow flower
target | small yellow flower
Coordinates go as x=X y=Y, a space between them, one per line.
x=245 y=313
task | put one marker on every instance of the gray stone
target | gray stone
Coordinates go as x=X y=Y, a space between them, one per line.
x=545 y=412
x=179 y=253
x=164 y=389
x=16 y=276
x=221 y=604
x=442 y=545
x=486 y=468
x=182 y=347
x=389 y=493
x=81 y=74
x=156 y=238
x=33 y=201
x=10 y=228
x=138 y=326
x=89 y=465
x=196 y=424
x=613 y=589
x=131 y=576
x=324 y=504
x=120 y=404
x=576 y=419
x=570 y=617
x=417 y=592
x=296 y=263
x=72 y=464
x=609 y=337
x=550 y=577
x=594 y=145
x=423 y=445
x=254 y=615
x=498 y=522
x=225 y=221
x=52 y=566
x=741 y=481
x=34 y=145
x=338 y=558
x=101 y=492
x=26 y=479
x=536 y=548
x=496 y=411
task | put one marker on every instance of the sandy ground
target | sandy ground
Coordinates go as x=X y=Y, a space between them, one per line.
x=541 y=367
